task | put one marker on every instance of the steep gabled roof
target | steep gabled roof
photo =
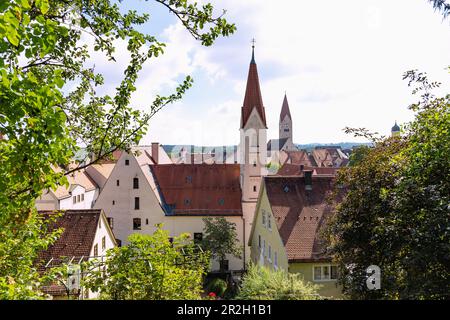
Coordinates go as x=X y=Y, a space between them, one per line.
x=276 y=144
x=253 y=98
x=78 y=236
x=199 y=189
x=300 y=214
x=285 y=109
x=296 y=170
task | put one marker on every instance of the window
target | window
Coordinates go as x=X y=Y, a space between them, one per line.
x=264 y=247
x=96 y=250
x=224 y=265
x=135 y=183
x=187 y=202
x=198 y=237
x=127 y=162
x=286 y=129
x=82 y=197
x=74 y=199
x=264 y=218
x=110 y=222
x=259 y=241
x=269 y=222
x=117 y=182
x=254 y=188
x=136 y=223
x=100 y=223
x=221 y=201
x=114 y=202
x=103 y=243
x=146 y=221
x=254 y=164
x=325 y=273
x=334 y=272
x=270 y=253
x=189 y=179
x=78 y=198
x=136 y=203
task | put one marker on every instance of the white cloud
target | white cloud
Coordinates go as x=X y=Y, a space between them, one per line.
x=341 y=63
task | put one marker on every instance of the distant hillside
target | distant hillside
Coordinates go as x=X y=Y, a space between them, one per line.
x=343 y=145
x=309 y=146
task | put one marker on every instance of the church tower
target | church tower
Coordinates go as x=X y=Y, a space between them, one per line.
x=253 y=140
x=252 y=149
x=285 y=125
x=395 y=131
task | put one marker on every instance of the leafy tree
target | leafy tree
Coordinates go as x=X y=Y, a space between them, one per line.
x=261 y=283
x=50 y=106
x=395 y=213
x=151 y=267
x=220 y=238
x=441 y=6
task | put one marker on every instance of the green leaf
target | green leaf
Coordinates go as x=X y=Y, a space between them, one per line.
x=43 y=5
x=13 y=37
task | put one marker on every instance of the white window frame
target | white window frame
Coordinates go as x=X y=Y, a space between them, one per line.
x=322 y=266
x=269 y=222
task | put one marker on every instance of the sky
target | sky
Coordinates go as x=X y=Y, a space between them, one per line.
x=339 y=62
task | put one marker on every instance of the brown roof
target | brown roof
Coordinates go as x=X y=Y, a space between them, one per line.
x=253 y=98
x=199 y=189
x=296 y=170
x=77 y=238
x=285 y=109
x=299 y=214
x=76 y=178
x=300 y=157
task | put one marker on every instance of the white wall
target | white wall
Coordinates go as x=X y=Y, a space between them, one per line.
x=89 y=197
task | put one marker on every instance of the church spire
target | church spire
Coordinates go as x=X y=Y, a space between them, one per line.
x=253 y=51
x=285 y=109
x=253 y=98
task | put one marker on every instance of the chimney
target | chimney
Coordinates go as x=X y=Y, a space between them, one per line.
x=308 y=179
x=155 y=152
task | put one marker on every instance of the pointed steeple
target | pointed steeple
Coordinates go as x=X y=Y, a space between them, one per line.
x=285 y=109
x=253 y=98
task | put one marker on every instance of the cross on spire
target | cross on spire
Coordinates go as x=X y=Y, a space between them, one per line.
x=253 y=50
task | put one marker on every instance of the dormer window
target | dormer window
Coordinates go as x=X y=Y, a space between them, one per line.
x=221 y=201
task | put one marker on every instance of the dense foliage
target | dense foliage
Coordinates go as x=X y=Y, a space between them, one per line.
x=396 y=211
x=261 y=283
x=150 y=267
x=50 y=106
x=220 y=238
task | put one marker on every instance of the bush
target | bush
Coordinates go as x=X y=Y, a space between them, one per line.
x=218 y=286
x=261 y=283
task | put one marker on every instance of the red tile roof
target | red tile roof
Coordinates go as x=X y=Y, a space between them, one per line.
x=199 y=189
x=300 y=157
x=285 y=109
x=295 y=170
x=299 y=214
x=77 y=238
x=253 y=98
